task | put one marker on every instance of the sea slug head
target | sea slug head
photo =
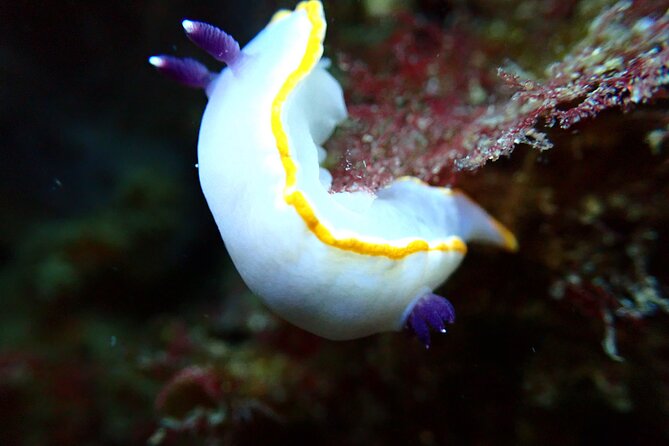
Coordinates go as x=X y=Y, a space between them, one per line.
x=283 y=36
x=191 y=72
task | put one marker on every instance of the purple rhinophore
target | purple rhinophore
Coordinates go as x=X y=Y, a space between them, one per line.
x=213 y=40
x=186 y=71
x=433 y=311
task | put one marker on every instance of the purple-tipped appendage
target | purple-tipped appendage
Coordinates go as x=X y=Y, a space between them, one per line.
x=186 y=71
x=432 y=311
x=213 y=40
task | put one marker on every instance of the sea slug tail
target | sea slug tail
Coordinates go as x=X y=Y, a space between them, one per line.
x=477 y=225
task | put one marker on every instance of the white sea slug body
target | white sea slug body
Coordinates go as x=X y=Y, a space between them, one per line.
x=340 y=265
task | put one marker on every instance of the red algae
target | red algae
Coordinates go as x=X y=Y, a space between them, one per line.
x=443 y=107
x=436 y=102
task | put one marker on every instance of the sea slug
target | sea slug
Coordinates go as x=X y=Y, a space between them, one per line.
x=340 y=265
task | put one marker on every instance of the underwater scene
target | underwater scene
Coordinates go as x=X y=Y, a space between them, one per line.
x=337 y=222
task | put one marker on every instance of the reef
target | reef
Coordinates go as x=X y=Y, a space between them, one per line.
x=439 y=107
x=124 y=322
x=440 y=110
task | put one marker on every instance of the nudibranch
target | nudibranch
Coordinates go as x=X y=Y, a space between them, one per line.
x=341 y=265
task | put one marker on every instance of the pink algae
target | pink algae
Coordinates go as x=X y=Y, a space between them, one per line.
x=444 y=104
